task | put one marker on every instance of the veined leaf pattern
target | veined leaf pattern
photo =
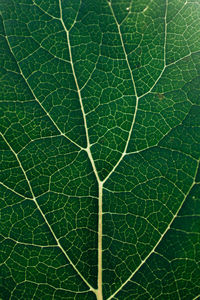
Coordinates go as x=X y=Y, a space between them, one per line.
x=100 y=127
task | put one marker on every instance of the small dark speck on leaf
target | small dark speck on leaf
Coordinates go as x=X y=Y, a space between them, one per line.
x=160 y=96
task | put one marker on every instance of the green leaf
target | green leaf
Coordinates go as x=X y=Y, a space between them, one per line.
x=99 y=149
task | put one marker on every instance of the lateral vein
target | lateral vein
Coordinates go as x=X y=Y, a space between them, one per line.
x=22 y=74
x=44 y=217
x=135 y=90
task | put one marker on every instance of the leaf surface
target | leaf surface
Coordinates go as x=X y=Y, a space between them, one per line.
x=100 y=128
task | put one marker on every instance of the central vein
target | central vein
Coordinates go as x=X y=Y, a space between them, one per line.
x=100 y=233
x=98 y=292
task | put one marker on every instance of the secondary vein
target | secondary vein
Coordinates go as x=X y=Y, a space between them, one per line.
x=35 y=97
x=43 y=215
x=135 y=90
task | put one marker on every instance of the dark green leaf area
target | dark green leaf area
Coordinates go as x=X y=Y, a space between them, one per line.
x=34 y=29
x=21 y=123
x=192 y=90
x=156 y=162
x=55 y=88
x=38 y=272
x=157 y=115
x=162 y=115
x=173 y=270
x=51 y=7
x=75 y=225
x=183 y=30
x=143 y=32
x=11 y=173
x=165 y=109
x=7 y=61
x=12 y=85
x=179 y=74
x=46 y=69
x=185 y=137
x=55 y=164
x=198 y=176
x=142 y=197
x=61 y=111
x=21 y=221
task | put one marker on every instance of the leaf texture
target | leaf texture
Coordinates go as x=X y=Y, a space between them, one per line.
x=99 y=149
